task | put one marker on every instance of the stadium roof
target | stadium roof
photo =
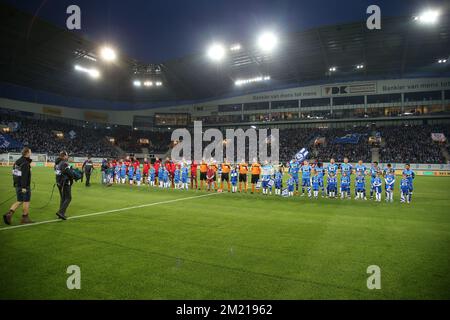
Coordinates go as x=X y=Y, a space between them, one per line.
x=42 y=56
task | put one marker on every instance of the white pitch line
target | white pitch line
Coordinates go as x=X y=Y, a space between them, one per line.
x=108 y=211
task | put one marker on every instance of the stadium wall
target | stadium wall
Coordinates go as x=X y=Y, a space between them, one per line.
x=206 y=108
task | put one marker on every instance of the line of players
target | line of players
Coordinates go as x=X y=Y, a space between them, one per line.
x=313 y=180
x=265 y=177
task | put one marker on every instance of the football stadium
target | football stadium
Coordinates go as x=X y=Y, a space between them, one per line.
x=288 y=161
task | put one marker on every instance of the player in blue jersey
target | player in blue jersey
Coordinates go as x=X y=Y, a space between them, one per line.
x=151 y=176
x=266 y=175
x=377 y=186
x=161 y=176
x=294 y=168
x=290 y=186
x=332 y=168
x=306 y=178
x=345 y=185
x=410 y=175
x=234 y=179
x=315 y=184
x=185 y=177
x=331 y=185
x=360 y=167
x=278 y=181
x=360 y=186
x=166 y=178
x=389 y=182
x=320 y=173
x=404 y=189
x=388 y=170
x=130 y=174
x=117 y=173
x=138 y=177
x=177 y=178
x=346 y=167
x=123 y=172
x=374 y=169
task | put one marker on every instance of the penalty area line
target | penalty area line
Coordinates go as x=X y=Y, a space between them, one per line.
x=107 y=211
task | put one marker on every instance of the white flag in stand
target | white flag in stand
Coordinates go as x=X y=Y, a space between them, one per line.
x=301 y=155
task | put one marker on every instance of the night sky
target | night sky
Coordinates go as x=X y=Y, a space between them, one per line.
x=155 y=31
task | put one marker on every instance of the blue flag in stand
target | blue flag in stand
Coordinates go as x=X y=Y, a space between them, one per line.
x=301 y=155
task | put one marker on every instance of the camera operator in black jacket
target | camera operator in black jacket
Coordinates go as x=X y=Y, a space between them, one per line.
x=64 y=181
x=22 y=181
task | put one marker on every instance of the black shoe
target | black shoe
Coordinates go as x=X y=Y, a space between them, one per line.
x=61 y=216
x=25 y=220
x=7 y=218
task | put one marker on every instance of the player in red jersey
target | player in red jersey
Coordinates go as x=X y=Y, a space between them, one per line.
x=194 y=166
x=145 y=170
x=157 y=165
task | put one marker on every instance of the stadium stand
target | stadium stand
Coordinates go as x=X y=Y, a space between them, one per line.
x=398 y=143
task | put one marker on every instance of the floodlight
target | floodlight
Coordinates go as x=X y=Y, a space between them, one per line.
x=216 y=52
x=108 y=54
x=428 y=17
x=267 y=41
x=235 y=47
x=137 y=83
x=240 y=82
x=332 y=69
x=148 y=83
x=93 y=73
x=442 y=61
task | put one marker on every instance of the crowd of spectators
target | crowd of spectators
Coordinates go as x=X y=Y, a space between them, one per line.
x=44 y=136
x=398 y=144
x=412 y=144
x=50 y=136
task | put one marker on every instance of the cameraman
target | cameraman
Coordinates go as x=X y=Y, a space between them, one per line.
x=87 y=168
x=22 y=180
x=64 y=181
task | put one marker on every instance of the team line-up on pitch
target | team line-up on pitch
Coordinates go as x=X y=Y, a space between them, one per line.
x=265 y=177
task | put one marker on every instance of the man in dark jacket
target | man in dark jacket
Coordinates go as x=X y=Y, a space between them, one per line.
x=22 y=181
x=87 y=168
x=64 y=181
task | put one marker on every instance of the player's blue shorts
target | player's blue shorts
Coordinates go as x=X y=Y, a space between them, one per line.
x=377 y=189
x=360 y=189
x=405 y=191
x=265 y=184
x=321 y=183
x=295 y=177
x=291 y=188
x=389 y=188
x=315 y=187
x=411 y=188
x=306 y=182
x=345 y=188
x=331 y=188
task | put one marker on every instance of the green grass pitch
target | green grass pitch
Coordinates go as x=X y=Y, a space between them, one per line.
x=226 y=246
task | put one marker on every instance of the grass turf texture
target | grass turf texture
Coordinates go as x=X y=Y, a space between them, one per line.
x=227 y=246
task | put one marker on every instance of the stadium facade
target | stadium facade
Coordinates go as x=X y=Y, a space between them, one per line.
x=335 y=104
